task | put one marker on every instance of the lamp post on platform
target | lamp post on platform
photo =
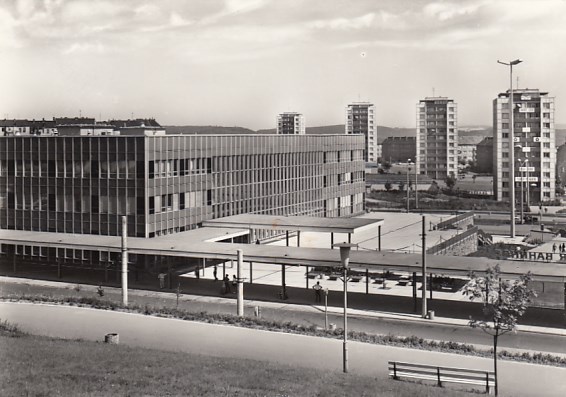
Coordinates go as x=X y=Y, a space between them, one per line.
x=511 y=144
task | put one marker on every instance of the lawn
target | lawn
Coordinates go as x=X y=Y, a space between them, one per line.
x=40 y=366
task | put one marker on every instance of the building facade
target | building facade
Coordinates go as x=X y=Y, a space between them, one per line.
x=168 y=184
x=534 y=145
x=290 y=123
x=437 y=137
x=399 y=149
x=360 y=120
x=484 y=156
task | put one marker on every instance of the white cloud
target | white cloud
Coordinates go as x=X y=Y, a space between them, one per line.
x=446 y=11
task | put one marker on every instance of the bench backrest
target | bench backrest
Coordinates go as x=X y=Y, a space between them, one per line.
x=441 y=374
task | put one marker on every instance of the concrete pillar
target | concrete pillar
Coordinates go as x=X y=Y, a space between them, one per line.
x=415 y=292
x=349 y=238
x=332 y=240
x=307 y=277
x=367 y=281
x=379 y=238
x=298 y=238
x=14 y=260
x=251 y=272
x=240 y=284
x=124 y=261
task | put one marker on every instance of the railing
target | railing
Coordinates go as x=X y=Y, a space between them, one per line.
x=440 y=375
x=452 y=241
x=454 y=220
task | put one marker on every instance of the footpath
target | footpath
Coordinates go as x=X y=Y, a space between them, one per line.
x=529 y=338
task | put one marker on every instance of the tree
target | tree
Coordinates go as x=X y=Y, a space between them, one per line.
x=401 y=186
x=386 y=166
x=504 y=303
x=387 y=186
x=450 y=181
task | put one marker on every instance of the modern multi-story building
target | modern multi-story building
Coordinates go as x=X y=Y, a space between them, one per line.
x=169 y=184
x=290 y=123
x=398 y=149
x=360 y=119
x=437 y=137
x=484 y=156
x=534 y=145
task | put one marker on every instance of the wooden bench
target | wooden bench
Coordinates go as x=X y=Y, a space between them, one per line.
x=399 y=370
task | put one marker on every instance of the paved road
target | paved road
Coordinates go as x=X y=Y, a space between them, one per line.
x=516 y=379
x=371 y=322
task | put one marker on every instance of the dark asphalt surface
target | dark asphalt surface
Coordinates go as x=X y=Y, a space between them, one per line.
x=306 y=314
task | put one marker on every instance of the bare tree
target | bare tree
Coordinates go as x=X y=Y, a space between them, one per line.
x=504 y=303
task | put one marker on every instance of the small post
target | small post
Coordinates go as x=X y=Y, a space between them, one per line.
x=395 y=370
x=487 y=382
x=307 y=278
x=240 y=284
x=331 y=240
x=367 y=281
x=430 y=286
x=124 y=261
x=251 y=272
x=438 y=376
x=298 y=238
x=379 y=238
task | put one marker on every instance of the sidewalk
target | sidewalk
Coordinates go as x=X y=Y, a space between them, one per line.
x=300 y=313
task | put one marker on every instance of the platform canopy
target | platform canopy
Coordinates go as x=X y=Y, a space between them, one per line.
x=204 y=244
x=294 y=223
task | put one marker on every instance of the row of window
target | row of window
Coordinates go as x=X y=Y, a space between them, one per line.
x=119 y=169
x=179 y=201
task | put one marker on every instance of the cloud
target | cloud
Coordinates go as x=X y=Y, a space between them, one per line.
x=77 y=48
x=447 y=11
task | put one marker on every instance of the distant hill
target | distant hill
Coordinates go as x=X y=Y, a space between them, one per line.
x=207 y=130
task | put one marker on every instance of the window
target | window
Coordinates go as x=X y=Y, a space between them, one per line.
x=504 y=115
x=505 y=125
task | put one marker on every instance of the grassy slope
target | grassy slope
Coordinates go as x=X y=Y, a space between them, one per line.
x=42 y=366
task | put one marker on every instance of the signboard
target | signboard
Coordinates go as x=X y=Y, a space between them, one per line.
x=526 y=149
x=526 y=129
x=526 y=179
x=525 y=97
x=536 y=139
x=527 y=110
x=527 y=169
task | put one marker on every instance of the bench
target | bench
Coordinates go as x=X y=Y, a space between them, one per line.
x=399 y=370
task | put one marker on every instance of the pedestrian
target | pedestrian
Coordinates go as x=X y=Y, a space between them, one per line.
x=563 y=246
x=317 y=291
x=215 y=274
x=554 y=247
x=161 y=278
x=227 y=288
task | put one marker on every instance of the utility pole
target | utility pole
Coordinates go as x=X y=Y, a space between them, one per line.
x=424 y=305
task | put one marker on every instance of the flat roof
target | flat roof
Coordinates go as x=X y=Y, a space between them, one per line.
x=193 y=244
x=294 y=223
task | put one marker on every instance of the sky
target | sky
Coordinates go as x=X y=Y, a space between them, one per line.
x=241 y=62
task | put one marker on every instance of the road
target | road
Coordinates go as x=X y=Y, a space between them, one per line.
x=371 y=322
x=516 y=379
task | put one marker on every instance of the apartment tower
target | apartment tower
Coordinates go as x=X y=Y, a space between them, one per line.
x=437 y=138
x=360 y=119
x=534 y=146
x=290 y=123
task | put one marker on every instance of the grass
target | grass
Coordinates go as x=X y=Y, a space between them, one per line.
x=41 y=366
x=414 y=342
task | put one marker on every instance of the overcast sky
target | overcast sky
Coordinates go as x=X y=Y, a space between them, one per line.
x=240 y=62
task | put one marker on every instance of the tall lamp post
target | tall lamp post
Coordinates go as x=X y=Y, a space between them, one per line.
x=345 y=263
x=408 y=182
x=511 y=144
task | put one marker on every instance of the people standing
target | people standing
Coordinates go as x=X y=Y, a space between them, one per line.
x=317 y=291
x=215 y=274
x=227 y=288
x=161 y=278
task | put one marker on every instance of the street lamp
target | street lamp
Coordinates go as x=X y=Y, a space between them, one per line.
x=511 y=142
x=345 y=262
x=524 y=168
